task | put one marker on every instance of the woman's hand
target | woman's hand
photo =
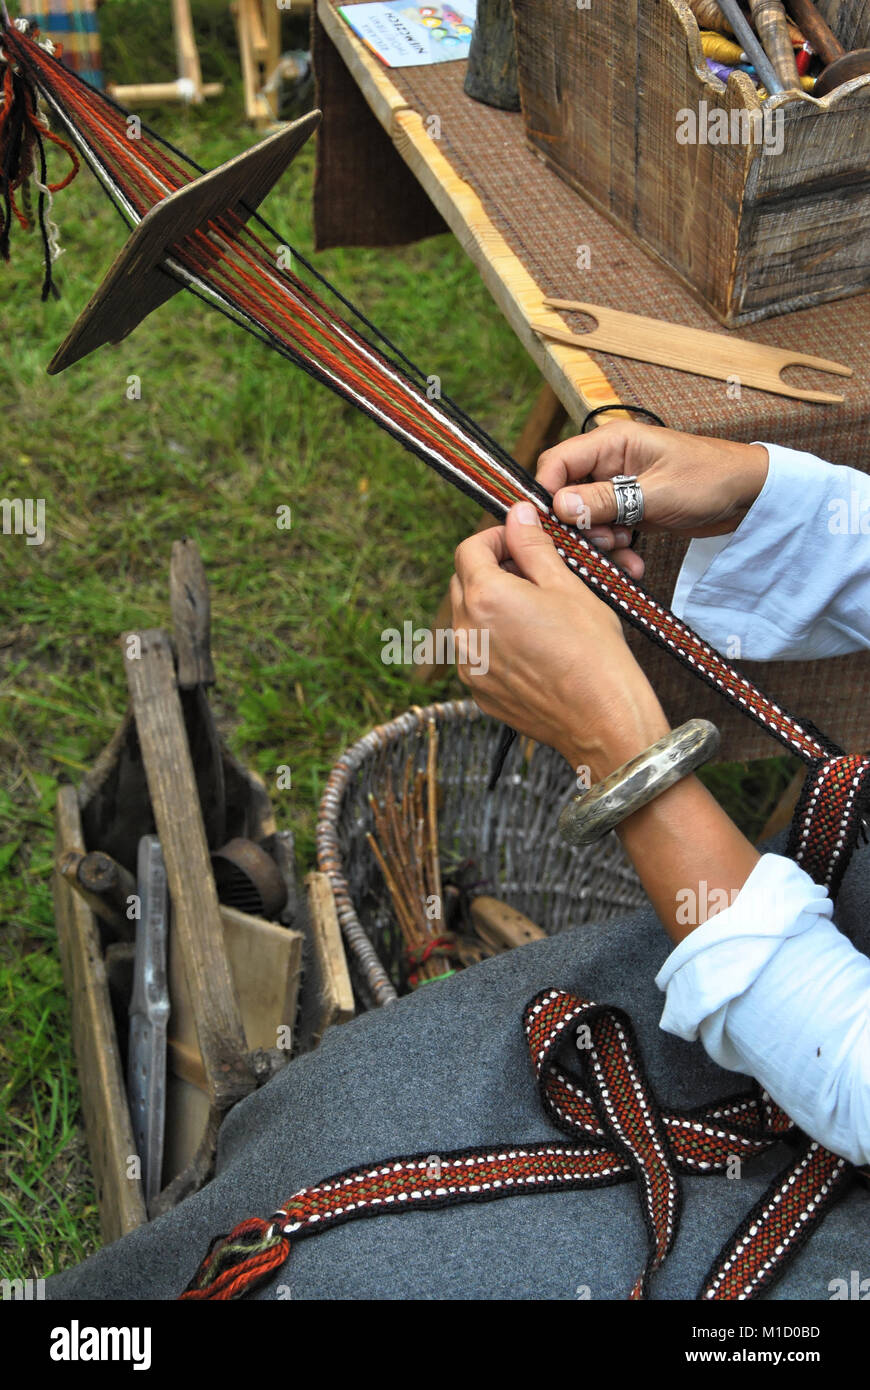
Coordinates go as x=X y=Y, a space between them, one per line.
x=692 y=485
x=560 y=671
x=559 y=668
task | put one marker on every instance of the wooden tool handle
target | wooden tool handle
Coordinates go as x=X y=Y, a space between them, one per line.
x=501 y=926
x=816 y=31
x=772 y=26
x=104 y=900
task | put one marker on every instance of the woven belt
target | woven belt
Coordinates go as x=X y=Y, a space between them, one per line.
x=618 y=1132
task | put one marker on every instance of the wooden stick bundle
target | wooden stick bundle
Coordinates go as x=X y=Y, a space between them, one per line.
x=405 y=846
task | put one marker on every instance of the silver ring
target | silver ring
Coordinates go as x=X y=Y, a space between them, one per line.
x=629 y=500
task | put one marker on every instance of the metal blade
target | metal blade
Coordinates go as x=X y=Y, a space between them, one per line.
x=149 y=1014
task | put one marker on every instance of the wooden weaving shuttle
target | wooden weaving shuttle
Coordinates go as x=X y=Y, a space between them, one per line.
x=691 y=350
x=143 y=276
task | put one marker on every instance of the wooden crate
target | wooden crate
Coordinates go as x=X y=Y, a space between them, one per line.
x=234 y=978
x=752 y=233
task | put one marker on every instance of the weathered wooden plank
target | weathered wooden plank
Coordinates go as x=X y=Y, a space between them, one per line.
x=266 y=965
x=150 y=671
x=328 y=994
x=806 y=213
x=103 y=1094
x=191 y=615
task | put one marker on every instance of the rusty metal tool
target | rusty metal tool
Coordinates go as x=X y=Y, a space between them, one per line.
x=248 y=878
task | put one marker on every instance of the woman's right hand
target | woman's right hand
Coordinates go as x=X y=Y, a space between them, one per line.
x=691 y=484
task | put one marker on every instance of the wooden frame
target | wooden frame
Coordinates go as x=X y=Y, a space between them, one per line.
x=258 y=29
x=329 y=994
x=188 y=86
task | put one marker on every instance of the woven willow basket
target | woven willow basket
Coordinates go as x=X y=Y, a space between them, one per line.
x=510 y=834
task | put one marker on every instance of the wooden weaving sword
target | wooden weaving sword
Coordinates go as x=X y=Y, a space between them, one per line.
x=691 y=350
x=144 y=275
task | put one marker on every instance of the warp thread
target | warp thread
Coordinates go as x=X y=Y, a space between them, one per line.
x=24 y=130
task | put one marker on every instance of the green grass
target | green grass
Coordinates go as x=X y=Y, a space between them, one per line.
x=224 y=434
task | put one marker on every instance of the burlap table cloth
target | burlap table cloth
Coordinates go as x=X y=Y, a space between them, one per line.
x=365 y=195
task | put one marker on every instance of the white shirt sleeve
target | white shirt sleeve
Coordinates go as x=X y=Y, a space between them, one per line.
x=793 y=581
x=769 y=985
x=774 y=990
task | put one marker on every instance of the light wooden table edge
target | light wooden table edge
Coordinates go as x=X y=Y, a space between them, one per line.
x=575 y=377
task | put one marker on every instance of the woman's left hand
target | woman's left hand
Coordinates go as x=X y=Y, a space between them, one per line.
x=558 y=667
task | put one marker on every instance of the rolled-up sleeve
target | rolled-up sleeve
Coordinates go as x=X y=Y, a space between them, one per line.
x=793 y=581
x=774 y=990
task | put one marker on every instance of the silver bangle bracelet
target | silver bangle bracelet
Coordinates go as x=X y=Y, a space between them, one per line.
x=592 y=814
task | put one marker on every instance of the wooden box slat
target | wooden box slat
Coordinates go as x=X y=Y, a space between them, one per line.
x=101 y=1079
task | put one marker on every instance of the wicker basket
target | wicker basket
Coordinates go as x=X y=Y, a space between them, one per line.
x=510 y=834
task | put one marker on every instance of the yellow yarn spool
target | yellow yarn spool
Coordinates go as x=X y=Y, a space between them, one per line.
x=807 y=83
x=719 y=48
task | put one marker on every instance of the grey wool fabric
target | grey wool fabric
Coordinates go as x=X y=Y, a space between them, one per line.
x=448 y=1068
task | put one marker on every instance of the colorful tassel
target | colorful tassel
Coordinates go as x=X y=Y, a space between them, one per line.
x=24 y=130
x=237 y=1263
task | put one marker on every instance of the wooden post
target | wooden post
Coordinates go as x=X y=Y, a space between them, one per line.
x=150 y=670
x=492 y=61
x=188 y=85
x=187 y=56
x=191 y=615
x=258 y=28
